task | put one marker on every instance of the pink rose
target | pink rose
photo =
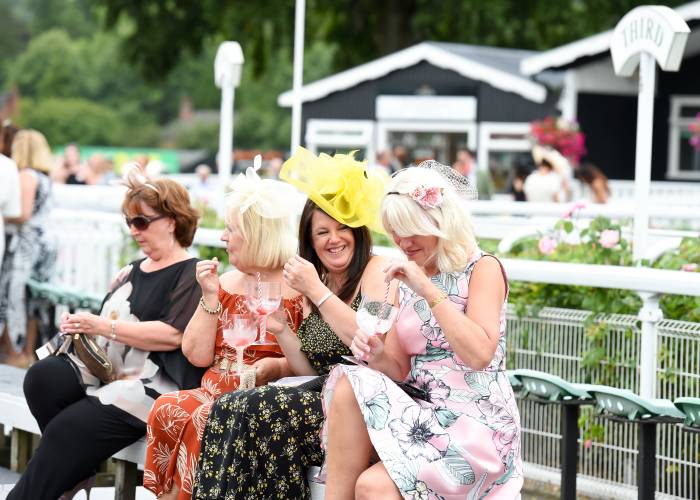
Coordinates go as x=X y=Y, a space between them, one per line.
x=547 y=245
x=587 y=444
x=690 y=267
x=609 y=238
x=427 y=197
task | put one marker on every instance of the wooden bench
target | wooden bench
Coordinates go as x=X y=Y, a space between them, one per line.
x=16 y=418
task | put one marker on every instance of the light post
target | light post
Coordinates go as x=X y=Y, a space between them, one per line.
x=227 y=76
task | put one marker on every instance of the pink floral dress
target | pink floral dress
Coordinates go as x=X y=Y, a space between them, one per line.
x=465 y=442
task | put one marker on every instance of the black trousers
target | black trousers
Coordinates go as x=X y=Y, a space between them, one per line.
x=78 y=432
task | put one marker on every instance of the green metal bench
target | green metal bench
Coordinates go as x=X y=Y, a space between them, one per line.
x=691 y=409
x=549 y=389
x=625 y=406
x=57 y=294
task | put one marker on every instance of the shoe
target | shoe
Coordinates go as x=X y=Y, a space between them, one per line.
x=85 y=484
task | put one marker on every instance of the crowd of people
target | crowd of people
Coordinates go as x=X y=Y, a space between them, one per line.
x=384 y=416
x=401 y=414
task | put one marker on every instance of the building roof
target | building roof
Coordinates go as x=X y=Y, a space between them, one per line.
x=594 y=45
x=496 y=66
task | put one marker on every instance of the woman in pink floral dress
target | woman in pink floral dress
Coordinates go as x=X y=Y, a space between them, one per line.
x=461 y=439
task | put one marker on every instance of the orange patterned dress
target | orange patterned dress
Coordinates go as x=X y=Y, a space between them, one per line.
x=176 y=421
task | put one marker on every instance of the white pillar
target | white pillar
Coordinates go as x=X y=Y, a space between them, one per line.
x=298 y=72
x=649 y=315
x=225 y=138
x=642 y=175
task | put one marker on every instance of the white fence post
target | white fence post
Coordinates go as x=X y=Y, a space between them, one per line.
x=650 y=314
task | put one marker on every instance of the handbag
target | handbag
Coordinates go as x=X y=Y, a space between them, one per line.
x=93 y=357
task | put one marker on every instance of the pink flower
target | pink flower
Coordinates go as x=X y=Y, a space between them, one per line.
x=690 y=267
x=570 y=211
x=609 y=238
x=427 y=197
x=547 y=245
x=587 y=444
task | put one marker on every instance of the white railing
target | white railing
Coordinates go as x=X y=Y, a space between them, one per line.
x=505 y=219
x=674 y=193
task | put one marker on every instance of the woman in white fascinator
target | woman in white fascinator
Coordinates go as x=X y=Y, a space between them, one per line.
x=259 y=240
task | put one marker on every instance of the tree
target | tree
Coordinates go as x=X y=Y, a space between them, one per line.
x=50 y=67
x=365 y=29
x=72 y=120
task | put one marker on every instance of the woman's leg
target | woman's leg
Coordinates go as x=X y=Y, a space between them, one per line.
x=174 y=426
x=376 y=482
x=72 y=445
x=51 y=385
x=349 y=449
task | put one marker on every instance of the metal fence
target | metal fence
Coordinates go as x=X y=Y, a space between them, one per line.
x=555 y=341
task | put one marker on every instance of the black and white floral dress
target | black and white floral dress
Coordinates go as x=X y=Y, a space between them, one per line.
x=259 y=443
x=30 y=252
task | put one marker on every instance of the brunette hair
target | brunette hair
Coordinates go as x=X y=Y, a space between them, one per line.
x=358 y=263
x=166 y=197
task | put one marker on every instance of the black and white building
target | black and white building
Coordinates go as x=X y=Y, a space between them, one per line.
x=605 y=105
x=432 y=98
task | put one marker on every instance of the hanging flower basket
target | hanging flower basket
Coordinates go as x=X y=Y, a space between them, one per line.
x=560 y=134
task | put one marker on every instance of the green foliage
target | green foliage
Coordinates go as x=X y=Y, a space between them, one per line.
x=686 y=258
x=593 y=245
x=198 y=135
x=365 y=28
x=489 y=245
x=50 y=67
x=66 y=120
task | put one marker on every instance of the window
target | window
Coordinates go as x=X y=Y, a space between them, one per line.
x=683 y=159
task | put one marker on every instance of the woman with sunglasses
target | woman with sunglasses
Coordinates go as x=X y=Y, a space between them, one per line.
x=83 y=420
x=259 y=444
x=462 y=439
x=259 y=240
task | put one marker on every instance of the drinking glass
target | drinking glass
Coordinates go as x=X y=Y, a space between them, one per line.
x=264 y=298
x=239 y=333
x=375 y=317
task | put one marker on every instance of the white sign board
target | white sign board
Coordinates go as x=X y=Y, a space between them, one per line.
x=645 y=36
x=655 y=30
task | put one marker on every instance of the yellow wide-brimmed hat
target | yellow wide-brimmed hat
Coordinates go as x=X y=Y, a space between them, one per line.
x=341 y=186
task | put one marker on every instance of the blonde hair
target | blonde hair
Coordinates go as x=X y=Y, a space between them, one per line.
x=450 y=222
x=270 y=242
x=31 y=150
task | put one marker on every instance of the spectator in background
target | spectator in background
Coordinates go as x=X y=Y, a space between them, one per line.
x=519 y=173
x=32 y=249
x=544 y=184
x=204 y=190
x=595 y=183
x=465 y=164
x=400 y=158
x=9 y=191
x=273 y=167
x=7 y=135
x=99 y=171
x=383 y=162
x=72 y=168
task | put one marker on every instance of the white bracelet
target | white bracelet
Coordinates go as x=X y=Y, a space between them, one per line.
x=324 y=298
x=113 y=329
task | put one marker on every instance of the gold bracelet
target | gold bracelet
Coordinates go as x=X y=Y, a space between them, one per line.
x=437 y=300
x=208 y=309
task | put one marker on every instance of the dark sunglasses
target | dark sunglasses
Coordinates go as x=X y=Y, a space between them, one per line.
x=141 y=222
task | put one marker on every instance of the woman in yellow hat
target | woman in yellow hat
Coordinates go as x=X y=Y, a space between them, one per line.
x=260 y=443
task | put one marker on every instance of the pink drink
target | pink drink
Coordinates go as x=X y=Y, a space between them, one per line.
x=239 y=338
